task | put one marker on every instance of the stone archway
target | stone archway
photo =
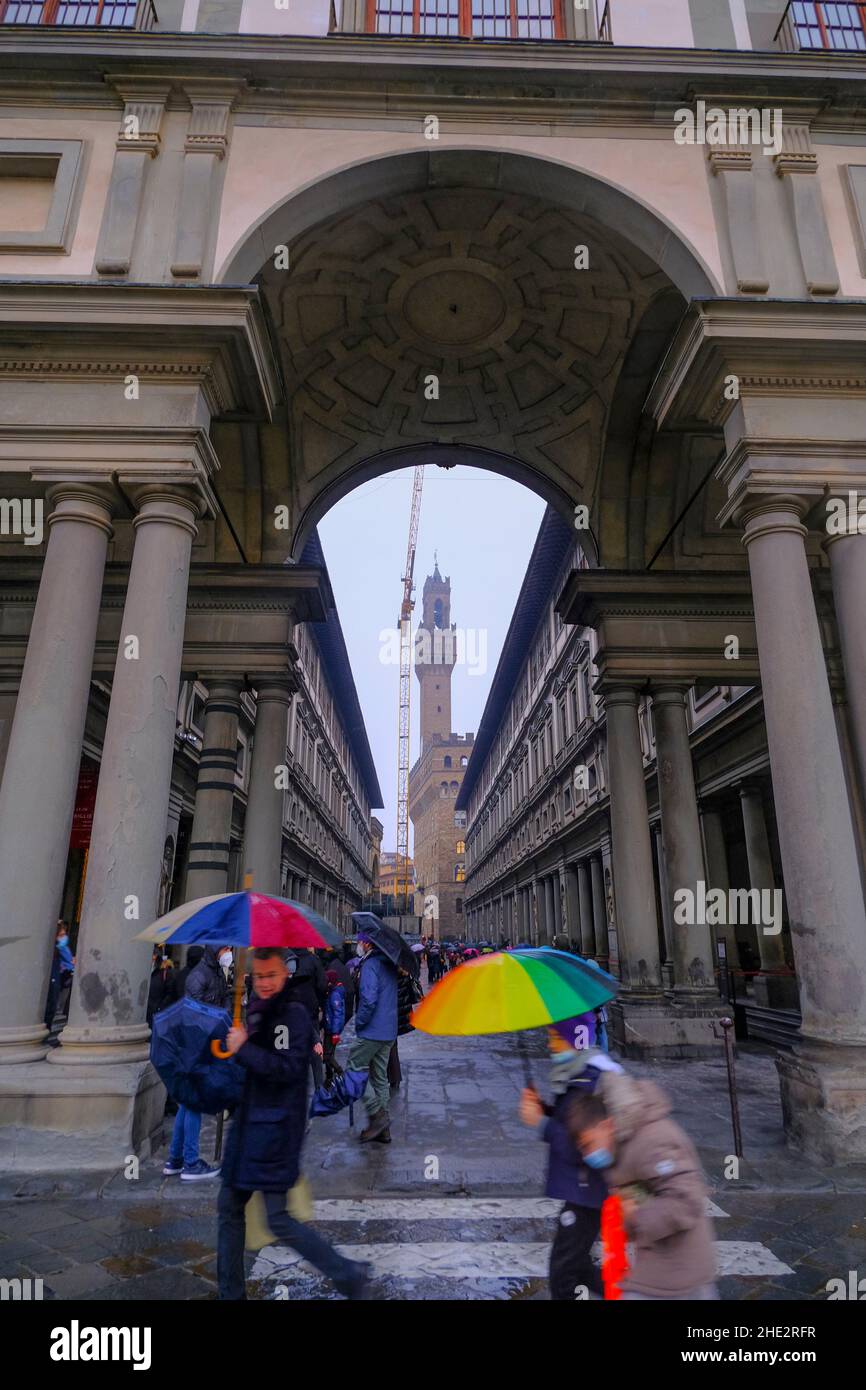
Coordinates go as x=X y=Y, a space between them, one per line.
x=458 y=306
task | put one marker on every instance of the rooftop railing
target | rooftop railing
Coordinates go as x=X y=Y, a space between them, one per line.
x=810 y=24
x=80 y=14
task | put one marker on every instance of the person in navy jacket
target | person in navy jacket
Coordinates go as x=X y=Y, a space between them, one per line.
x=576 y=1068
x=263 y=1148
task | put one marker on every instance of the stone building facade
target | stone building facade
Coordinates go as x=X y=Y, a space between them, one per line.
x=237 y=242
x=436 y=778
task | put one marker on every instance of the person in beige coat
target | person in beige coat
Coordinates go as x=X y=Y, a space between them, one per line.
x=650 y=1163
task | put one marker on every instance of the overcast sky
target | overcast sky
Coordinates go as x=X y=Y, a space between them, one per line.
x=483 y=527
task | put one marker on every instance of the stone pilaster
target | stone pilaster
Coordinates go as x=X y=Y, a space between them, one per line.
x=206 y=145
x=772 y=990
x=797 y=166
x=44 y=754
x=138 y=142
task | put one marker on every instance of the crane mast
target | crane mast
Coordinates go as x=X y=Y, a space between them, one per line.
x=405 y=623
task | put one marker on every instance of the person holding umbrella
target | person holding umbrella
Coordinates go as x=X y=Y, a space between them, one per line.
x=264 y=1143
x=380 y=948
x=576 y=1070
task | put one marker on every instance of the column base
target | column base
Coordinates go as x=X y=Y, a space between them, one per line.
x=823 y=1093
x=23 y=1044
x=661 y=1030
x=80 y=1047
x=86 y=1120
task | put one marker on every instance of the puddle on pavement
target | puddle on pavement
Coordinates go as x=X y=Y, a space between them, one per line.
x=127 y=1266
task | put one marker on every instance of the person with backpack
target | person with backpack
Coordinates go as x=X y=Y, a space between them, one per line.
x=206 y=983
x=576 y=1068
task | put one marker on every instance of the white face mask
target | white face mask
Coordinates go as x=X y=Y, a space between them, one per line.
x=360 y=949
x=226 y=959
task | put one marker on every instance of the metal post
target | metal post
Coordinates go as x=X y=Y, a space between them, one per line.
x=727 y=1025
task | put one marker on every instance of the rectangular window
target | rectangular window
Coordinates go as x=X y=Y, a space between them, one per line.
x=820 y=24
x=111 y=14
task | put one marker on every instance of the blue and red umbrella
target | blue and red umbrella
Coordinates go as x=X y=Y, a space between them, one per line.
x=243 y=919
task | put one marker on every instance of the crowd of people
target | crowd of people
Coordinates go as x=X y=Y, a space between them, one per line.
x=607 y=1133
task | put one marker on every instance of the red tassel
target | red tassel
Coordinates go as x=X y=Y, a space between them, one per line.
x=614 y=1261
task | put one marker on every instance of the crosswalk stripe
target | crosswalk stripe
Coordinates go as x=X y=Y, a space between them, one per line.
x=449 y=1259
x=447 y=1209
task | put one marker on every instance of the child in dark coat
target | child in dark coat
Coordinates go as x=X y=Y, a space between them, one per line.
x=576 y=1068
x=335 y=1022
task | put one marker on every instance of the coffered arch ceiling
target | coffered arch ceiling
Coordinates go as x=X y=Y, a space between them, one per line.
x=476 y=288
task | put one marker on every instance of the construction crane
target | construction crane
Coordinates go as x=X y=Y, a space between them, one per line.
x=405 y=622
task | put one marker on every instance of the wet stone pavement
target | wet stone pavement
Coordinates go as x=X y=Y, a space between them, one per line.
x=453 y=1207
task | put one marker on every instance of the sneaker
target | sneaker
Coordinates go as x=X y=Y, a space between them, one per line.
x=172 y=1167
x=194 y=1172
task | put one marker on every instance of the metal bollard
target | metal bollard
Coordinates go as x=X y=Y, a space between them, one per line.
x=727 y=1026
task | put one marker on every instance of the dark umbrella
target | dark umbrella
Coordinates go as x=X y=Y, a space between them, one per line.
x=181 y=1053
x=346 y=1087
x=388 y=941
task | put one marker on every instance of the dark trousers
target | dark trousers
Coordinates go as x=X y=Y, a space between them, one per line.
x=571 y=1266
x=332 y=1066
x=395 y=1072
x=308 y=1243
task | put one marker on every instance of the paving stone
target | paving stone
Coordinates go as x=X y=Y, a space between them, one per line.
x=80 y=1280
x=171 y=1283
x=29 y=1218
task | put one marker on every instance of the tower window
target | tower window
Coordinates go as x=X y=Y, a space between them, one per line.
x=438 y=709
x=446 y=761
x=437 y=613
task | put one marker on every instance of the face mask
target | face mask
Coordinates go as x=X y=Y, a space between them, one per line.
x=62 y=940
x=360 y=949
x=566 y=1056
x=599 y=1158
x=226 y=959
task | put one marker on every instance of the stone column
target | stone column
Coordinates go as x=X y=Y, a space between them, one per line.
x=263 y=832
x=43 y=758
x=587 y=934
x=8 y=700
x=631 y=847
x=540 y=914
x=717 y=873
x=681 y=832
x=599 y=915
x=556 y=895
x=109 y=998
x=549 y=911
x=823 y=1087
x=572 y=898
x=816 y=836
x=771 y=990
x=208 y=866
x=664 y=894
x=848 y=570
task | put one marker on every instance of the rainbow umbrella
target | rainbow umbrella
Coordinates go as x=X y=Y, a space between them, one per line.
x=511 y=991
x=241 y=919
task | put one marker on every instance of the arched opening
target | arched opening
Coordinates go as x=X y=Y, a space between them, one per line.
x=466 y=306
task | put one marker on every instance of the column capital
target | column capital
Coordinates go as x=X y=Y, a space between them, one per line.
x=621 y=692
x=273 y=686
x=773 y=515
x=89 y=502
x=670 y=692
x=178 y=504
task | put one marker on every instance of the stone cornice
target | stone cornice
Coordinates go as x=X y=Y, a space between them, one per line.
x=377 y=71
x=214 y=333
x=771 y=346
